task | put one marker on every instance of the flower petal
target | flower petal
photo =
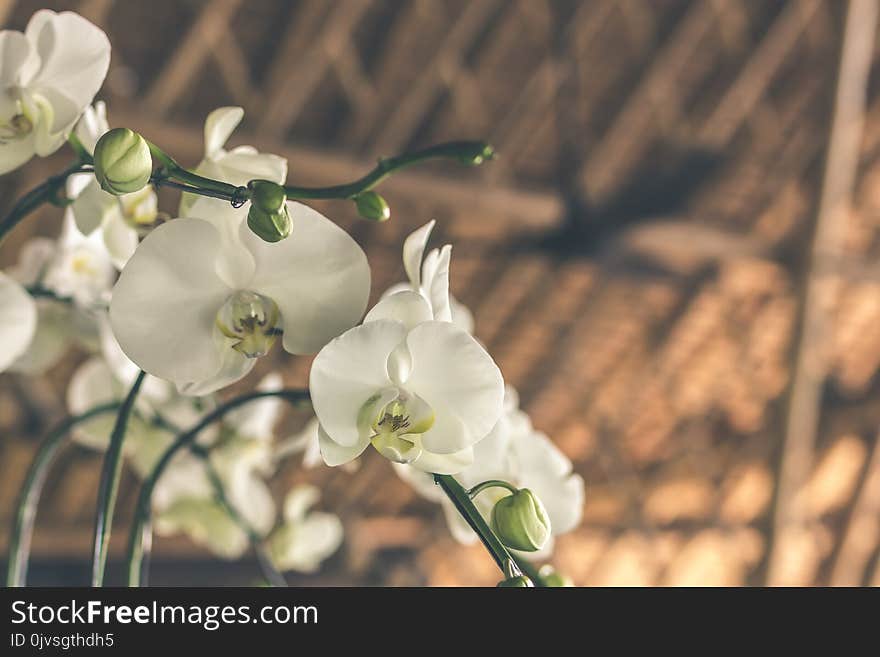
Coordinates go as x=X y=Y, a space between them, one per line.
x=120 y=239
x=318 y=277
x=18 y=320
x=407 y=306
x=92 y=205
x=348 y=372
x=74 y=58
x=166 y=300
x=219 y=125
x=335 y=454
x=18 y=60
x=435 y=281
x=413 y=250
x=444 y=463
x=461 y=382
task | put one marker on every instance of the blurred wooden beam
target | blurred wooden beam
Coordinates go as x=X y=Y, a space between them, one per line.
x=809 y=368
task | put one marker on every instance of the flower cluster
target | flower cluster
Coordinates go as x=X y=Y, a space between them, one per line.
x=194 y=298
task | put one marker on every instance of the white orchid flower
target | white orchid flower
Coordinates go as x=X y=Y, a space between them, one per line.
x=201 y=299
x=305 y=538
x=185 y=502
x=48 y=75
x=118 y=218
x=426 y=295
x=18 y=319
x=515 y=452
x=75 y=274
x=307 y=442
x=237 y=166
x=423 y=394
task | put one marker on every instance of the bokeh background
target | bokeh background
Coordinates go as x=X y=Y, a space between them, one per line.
x=674 y=260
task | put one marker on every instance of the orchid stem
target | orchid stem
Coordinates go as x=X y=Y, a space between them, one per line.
x=109 y=484
x=491 y=483
x=270 y=573
x=32 y=488
x=138 y=540
x=45 y=192
x=462 y=501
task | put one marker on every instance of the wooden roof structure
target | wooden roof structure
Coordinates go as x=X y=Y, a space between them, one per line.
x=636 y=259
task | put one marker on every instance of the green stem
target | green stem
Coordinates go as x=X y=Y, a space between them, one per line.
x=109 y=484
x=470 y=152
x=271 y=574
x=32 y=488
x=201 y=184
x=143 y=511
x=491 y=483
x=42 y=193
x=469 y=512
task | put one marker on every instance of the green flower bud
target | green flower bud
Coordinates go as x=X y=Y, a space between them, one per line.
x=268 y=217
x=516 y=582
x=521 y=521
x=475 y=153
x=123 y=163
x=553 y=578
x=371 y=205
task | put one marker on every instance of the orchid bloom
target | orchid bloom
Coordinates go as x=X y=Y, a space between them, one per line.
x=515 y=452
x=237 y=166
x=185 y=501
x=202 y=298
x=427 y=292
x=305 y=538
x=74 y=274
x=118 y=218
x=423 y=393
x=48 y=75
x=18 y=319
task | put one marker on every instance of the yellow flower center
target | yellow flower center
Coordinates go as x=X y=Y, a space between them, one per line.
x=250 y=319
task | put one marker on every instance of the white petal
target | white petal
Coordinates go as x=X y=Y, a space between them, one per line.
x=299 y=500
x=413 y=250
x=319 y=277
x=18 y=60
x=92 y=205
x=350 y=370
x=120 y=239
x=93 y=384
x=462 y=317
x=407 y=306
x=219 y=125
x=548 y=472
x=15 y=152
x=444 y=463
x=235 y=263
x=233 y=367
x=207 y=523
x=74 y=57
x=335 y=454
x=421 y=481
x=18 y=320
x=435 y=282
x=166 y=300
x=92 y=125
x=55 y=330
x=257 y=419
x=302 y=546
x=460 y=381
x=243 y=164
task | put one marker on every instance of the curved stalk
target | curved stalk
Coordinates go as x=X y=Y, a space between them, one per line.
x=26 y=508
x=138 y=538
x=270 y=573
x=45 y=192
x=109 y=484
x=469 y=512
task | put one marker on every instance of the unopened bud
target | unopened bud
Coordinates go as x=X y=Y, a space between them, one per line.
x=553 y=578
x=268 y=217
x=371 y=205
x=516 y=582
x=123 y=163
x=521 y=521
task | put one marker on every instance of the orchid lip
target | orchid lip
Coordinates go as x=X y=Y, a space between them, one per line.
x=250 y=319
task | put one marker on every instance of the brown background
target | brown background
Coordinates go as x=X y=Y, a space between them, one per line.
x=635 y=260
